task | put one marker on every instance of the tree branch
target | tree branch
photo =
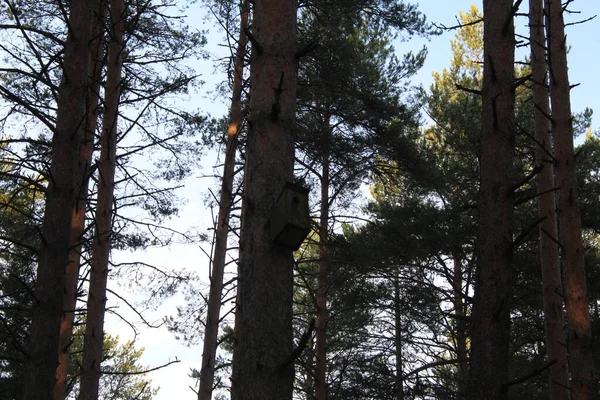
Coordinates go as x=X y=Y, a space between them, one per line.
x=140 y=372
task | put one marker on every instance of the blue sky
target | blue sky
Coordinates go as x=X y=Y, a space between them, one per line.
x=583 y=39
x=160 y=345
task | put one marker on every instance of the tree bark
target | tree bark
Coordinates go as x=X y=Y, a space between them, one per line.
x=322 y=284
x=399 y=389
x=554 y=323
x=93 y=339
x=460 y=326
x=78 y=218
x=211 y=331
x=491 y=308
x=265 y=287
x=569 y=221
x=61 y=198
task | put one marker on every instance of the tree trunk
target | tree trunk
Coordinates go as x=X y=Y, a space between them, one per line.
x=309 y=382
x=78 y=218
x=61 y=199
x=399 y=389
x=460 y=326
x=569 y=222
x=556 y=338
x=491 y=308
x=262 y=369
x=92 y=344
x=211 y=331
x=322 y=284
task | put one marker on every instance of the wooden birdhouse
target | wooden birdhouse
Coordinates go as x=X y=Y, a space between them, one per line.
x=290 y=218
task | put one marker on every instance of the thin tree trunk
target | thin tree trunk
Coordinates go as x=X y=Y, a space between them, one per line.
x=491 y=308
x=309 y=382
x=262 y=369
x=78 y=218
x=322 y=284
x=569 y=222
x=461 y=327
x=554 y=323
x=61 y=199
x=399 y=389
x=211 y=331
x=93 y=339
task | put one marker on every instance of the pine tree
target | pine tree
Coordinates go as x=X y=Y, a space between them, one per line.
x=558 y=376
x=94 y=332
x=61 y=198
x=78 y=225
x=209 y=353
x=581 y=364
x=265 y=287
x=490 y=322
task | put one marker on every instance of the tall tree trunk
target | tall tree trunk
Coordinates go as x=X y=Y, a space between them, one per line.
x=569 y=222
x=92 y=344
x=322 y=284
x=460 y=326
x=61 y=199
x=261 y=368
x=491 y=308
x=399 y=389
x=554 y=323
x=309 y=382
x=211 y=331
x=78 y=218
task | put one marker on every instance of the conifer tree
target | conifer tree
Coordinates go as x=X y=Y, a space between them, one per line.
x=261 y=366
x=61 y=198
x=94 y=331
x=581 y=366
x=490 y=322
x=211 y=329
x=558 y=376
x=78 y=225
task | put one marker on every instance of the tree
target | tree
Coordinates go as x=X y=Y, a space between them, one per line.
x=92 y=345
x=569 y=221
x=29 y=86
x=452 y=144
x=123 y=377
x=225 y=203
x=61 y=198
x=490 y=322
x=18 y=242
x=265 y=287
x=558 y=377
x=78 y=225
x=350 y=113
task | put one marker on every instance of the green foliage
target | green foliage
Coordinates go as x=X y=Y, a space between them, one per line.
x=588 y=181
x=19 y=204
x=352 y=100
x=123 y=377
x=426 y=221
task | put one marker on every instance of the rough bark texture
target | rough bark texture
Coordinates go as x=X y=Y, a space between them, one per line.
x=264 y=314
x=61 y=199
x=556 y=338
x=93 y=339
x=207 y=373
x=78 y=218
x=569 y=222
x=322 y=284
x=491 y=308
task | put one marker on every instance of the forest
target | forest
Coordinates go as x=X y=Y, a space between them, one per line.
x=369 y=237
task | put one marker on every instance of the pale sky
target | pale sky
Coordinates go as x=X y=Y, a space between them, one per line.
x=160 y=345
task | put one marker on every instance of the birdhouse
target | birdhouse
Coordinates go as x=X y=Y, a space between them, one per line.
x=290 y=218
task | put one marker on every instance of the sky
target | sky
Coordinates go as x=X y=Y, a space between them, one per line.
x=161 y=346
